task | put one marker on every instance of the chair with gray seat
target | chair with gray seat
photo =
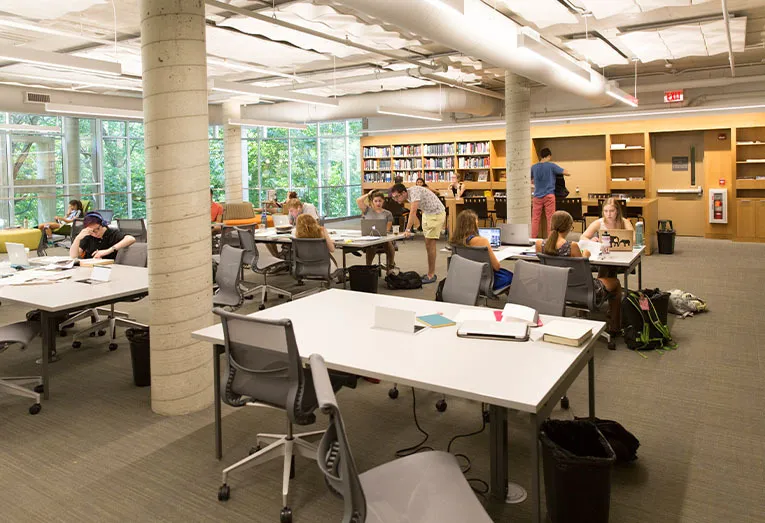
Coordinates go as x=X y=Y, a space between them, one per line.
x=312 y=262
x=228 y=278
x=74 y=230
x=261 y=262
x=426 y=487
x=21 y=333
x=106 y=214
x=481 y=254
x=134 y=227
x=463 y=280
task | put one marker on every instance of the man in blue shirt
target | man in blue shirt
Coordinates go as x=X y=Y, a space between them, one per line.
x=543 y=175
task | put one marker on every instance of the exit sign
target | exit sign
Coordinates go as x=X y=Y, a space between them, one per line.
x=673 y=96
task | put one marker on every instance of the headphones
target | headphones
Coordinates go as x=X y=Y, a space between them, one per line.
x=100 y=218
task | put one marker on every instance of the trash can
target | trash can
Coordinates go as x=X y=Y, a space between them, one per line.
x=666 y=236
x=577 y=462
x=139 y=356
x=364 y=278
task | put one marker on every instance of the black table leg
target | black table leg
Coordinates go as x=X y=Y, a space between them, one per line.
x=217 y=349
x=498 y=452
x=48 y=326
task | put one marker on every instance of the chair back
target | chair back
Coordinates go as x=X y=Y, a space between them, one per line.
x=135 y=255
x=581 y=289
x=77 y=226
x=248 y=245
x=540 y=287
x=478 y=205
x=480 y=255
x=134 y=227
x=106 y=214
x=264 y=366
x=463 y=281
x=395 y=208
x=229 y=235
x=573 y=206
x=500 y=207
x=238 y=211
x=21 y=332
x=312 y=260
x=228 y=277
x=334 y=455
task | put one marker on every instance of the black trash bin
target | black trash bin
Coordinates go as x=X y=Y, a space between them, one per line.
x=364 y=278
x=577 y=461
x=666 y=237
x=139 y=355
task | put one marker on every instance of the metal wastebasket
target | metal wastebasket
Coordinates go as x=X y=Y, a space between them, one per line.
x=666 y=237
x=364 y=278
x=140 y=356
x=577 y=462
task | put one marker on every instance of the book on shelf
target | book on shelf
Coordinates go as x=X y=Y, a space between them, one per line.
x=483 y=177
x=473 y=148
x=568 y=333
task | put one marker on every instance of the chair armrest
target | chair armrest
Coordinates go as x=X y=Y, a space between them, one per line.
x=325 y=395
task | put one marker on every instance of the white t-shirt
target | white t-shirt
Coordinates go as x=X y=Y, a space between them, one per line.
x=429 y=202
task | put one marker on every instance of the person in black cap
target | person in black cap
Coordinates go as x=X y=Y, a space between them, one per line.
x=97 y=240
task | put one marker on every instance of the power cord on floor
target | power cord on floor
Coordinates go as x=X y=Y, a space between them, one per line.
x=408 y=451
x=468 y=464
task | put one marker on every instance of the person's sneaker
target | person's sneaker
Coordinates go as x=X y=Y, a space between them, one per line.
x=425 y=279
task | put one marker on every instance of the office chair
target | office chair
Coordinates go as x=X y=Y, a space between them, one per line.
x=74 y=230
x=593 y=211
x=106 y=214
x=134 y=227
x=481 y=254
x=500 y=208
x=261 y=262
x=580 y=293
x=22 y=333
x=264 y=370
x=573 y=206
x=228 y=278
x=312 y=262
x=479 y=205
x=424 y=487
x=136 y=255
x=399 y=212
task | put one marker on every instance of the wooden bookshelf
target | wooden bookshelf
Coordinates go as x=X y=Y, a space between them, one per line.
x=626 y=160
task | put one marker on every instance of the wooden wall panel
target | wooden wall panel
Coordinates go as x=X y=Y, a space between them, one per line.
x=718 y=164
x=584 y=157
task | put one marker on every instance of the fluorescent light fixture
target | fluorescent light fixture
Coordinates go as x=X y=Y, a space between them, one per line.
x=80 y=82
x=243 y=122
x=88 y=110
x=29 y=128
x=66 y=61
x=272 y=93
x=409 y=113
x=531 y=43
x=622 y=96
x=49 y=30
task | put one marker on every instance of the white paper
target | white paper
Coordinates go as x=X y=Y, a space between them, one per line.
x=475 y=315
x=592 y=246
x=519 y=313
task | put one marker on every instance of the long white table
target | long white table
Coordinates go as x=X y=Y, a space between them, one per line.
x=530 y=377
x=56 y=300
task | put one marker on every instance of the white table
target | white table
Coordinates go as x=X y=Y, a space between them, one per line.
x=529 y=377
x=56 y=300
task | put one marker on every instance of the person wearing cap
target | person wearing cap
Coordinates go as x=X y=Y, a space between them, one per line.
x=97 y=240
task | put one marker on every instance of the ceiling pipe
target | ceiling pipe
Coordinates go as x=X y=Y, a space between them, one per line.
x=727 y=35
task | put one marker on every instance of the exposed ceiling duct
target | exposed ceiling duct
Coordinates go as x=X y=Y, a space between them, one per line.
x=429 y=99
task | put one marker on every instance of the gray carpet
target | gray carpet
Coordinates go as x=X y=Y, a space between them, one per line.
x=96 y=452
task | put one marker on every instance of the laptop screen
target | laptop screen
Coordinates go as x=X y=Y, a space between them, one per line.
x=492 y=234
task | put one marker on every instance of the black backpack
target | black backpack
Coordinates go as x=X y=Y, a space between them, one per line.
x=404 y=280
x=646 y=329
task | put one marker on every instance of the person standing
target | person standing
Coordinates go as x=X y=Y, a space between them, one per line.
x=433 y=219
x=543 y=177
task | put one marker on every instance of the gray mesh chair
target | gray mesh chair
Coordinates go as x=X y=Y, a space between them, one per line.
x=264 y=370
x=136 y=255
x=135 y=228
x=312 y=262
x=261 y=262
x=481 y=254
x=426 y=487
x=463 y=281
x=106 y=214
x=22 y=333
x=74 y=230
x=540 y=287
x=228 y=278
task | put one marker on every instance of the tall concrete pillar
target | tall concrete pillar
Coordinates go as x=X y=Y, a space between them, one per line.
x=177 y=202
x=232 y=152
x=72 y=140
x=518 y=148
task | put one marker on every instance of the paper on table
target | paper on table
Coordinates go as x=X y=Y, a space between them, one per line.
x=475 y=315
x=593 y=247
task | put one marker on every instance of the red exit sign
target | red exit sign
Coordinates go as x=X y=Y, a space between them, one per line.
x=673 y=96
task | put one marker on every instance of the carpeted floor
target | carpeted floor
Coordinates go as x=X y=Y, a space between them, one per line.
x=96 y=452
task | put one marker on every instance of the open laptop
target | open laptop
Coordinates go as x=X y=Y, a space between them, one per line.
x=17 y=255
x=281 y=220
x=374 y=227
x=515 y=234
x=493 y=235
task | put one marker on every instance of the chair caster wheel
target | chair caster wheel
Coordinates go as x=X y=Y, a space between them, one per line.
x=92 y=334
x=441 y=405
x=285 y=516
x=39 y=389
x=76 y=344
x=34 y=409
x=224 y=492
x=112 y=346
x=393 y=393
x=262 y=307
x=612 y=345
x=564 y=403
x=254 y=449
x=101 y=333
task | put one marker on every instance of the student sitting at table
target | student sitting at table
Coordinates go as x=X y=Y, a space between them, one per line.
x=466 y=234
x=306 y=226
x=371 y=206
x=74 y=211
x=456 y=186
x=296 y=208
x=97 y=240
x=612 y=219
x=556 y=244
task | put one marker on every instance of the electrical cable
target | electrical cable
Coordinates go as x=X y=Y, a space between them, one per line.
x=408 y=451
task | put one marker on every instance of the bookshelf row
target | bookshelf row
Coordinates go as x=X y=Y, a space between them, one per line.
x=750 y=160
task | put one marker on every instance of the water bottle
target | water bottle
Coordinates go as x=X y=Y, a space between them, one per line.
x=263 y=219
x=605 y=242
x=577 y=189
x=26 y=223
x=639 y=234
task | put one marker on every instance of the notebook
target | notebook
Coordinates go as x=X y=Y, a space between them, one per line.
x=566 y=333
x=88 y=262
x=492 y=234
x=435 y=320
x=521 y=313
x=494 y=330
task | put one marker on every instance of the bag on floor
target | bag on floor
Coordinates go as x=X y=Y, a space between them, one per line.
x=440 y=290
x=685 y=304
x=644 y=320
x=624 y=443
x=404 y=280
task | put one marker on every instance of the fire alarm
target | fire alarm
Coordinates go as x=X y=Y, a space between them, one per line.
x=722 y=136
x=722 y=182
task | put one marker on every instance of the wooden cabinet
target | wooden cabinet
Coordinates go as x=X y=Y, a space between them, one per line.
x=750 y=219
x=760 y=219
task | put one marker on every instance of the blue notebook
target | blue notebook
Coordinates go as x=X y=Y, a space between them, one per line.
x=435 y=320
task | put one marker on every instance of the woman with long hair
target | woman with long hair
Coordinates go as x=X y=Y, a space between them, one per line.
x=306 y=226
x=556 y=244
x=466 y=234
x=74 y=211
x=612 y=218
x=371 y=207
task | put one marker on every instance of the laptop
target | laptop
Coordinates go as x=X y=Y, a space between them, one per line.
x=281 y=220
x=494 y=330
x=99 y=274
x=515 y=234
x=397 y=320
x=374 y=227
x=493 y=235
x=18 y=256
x=622 y=239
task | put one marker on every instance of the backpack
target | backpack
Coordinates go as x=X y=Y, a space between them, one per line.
x=684 y=303
x=404 y=280
x=646 y=329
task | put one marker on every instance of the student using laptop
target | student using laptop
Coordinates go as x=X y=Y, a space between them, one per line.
x=74 y=211
x=611 y=219
x=97 y=240
x=295 y=208
x=371 y=207
x=466 y=233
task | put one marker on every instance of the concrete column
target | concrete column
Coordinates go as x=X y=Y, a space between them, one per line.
x=72 y=140
x=45 y=160
x=232 y=152
x=518 y=148
x=177 y=202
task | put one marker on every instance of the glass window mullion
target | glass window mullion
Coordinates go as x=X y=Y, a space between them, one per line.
x=100 y=164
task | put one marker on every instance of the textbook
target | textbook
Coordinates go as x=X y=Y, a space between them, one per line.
x=86 y=262
x=566 y=333
x=435 y=320
x=520 y=313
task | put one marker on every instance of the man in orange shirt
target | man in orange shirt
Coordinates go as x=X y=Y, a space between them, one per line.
x=216 y=214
